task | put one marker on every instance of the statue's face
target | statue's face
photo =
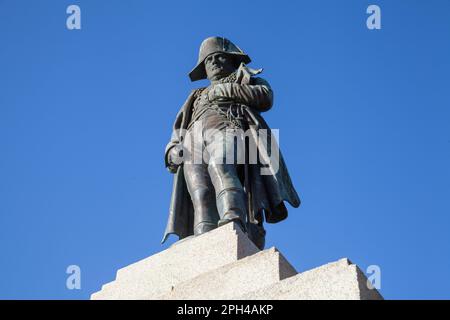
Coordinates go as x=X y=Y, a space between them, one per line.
x=219 y=65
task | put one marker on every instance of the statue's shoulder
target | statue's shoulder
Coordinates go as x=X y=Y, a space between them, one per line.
x=193 y=95
x=259 y=81
x=197 y=92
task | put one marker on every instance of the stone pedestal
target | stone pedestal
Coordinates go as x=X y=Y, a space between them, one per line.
x=225 y=264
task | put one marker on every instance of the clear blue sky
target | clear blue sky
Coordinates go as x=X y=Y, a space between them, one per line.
x=364 y=119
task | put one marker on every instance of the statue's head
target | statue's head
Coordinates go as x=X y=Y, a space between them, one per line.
x=218 y=57
x=218 y=65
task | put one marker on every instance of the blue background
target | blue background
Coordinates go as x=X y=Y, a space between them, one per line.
x=85 y=115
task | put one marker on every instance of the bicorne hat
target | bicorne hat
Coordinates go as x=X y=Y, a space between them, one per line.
x=213 y=45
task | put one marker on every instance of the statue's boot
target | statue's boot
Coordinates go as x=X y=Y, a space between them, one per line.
x=205 y=213
x=232 y=207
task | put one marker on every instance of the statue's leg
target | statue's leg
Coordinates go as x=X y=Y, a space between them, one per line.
x=230 y=195
x=201 y=191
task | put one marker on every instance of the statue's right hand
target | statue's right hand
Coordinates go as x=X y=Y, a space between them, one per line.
x=175 y=158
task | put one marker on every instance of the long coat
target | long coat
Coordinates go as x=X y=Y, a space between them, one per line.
x=267 y=192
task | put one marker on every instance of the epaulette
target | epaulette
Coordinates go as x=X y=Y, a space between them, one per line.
x=198 y=92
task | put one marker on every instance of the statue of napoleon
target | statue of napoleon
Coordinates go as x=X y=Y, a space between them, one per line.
x=217 y=188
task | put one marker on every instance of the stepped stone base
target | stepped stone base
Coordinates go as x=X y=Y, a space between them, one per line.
x=225 y=264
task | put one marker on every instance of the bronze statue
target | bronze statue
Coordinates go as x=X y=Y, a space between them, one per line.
x=216 y=191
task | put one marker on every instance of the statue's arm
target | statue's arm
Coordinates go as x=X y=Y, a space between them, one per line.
x=170 y=152
x=173 y=153
x=258 y=94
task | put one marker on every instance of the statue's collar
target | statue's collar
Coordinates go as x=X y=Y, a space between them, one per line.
x=244 y=73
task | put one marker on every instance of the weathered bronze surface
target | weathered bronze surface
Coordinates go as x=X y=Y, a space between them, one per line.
x=216 y=191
